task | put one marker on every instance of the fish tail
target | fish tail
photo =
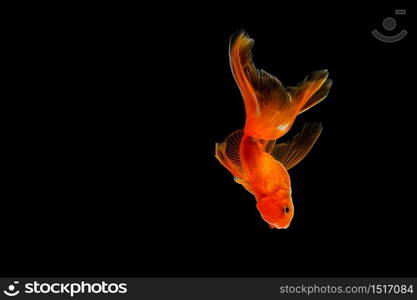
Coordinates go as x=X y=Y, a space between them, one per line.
x=311 y=91
x=270 y=107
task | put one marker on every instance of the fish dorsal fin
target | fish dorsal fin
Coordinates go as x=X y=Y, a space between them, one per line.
x=311 y=90
x=293 y=151
x=228 y=153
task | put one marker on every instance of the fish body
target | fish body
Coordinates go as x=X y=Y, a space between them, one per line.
x=252 y=155
x=269 y=181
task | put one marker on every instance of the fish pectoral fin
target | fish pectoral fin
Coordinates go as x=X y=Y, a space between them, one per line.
x=269 y=145
x=228 y=154
x=244 y=183
x=312 y=90
x=293 y=151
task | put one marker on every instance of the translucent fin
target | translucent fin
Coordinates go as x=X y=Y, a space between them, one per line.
x=312 y=90
x=245 y=184
x=267 y=103
x=228 y=154
x=240 y=61
x=268 y=145
x=293 y=151
x=270 y=107
x=268 y=89
x=319 y=96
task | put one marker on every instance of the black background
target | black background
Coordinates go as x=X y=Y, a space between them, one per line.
x=113 y=119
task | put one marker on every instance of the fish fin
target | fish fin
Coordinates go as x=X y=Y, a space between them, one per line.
x=240 y=57
x=293 y=151
x=244 y=183
x=267 y=145
x=312 y=90
x=267 y=103
x=228 y=153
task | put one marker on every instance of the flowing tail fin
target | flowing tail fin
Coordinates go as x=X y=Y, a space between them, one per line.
x=270 y=107
x=312 y=90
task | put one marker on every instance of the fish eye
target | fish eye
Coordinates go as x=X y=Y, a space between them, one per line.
x=286 y=209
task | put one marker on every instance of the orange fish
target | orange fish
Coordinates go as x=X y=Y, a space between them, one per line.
x=252 y=155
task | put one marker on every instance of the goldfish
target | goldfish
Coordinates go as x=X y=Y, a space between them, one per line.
x=252 y=154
